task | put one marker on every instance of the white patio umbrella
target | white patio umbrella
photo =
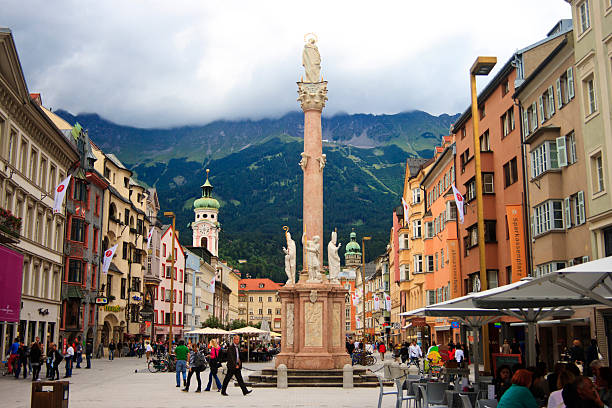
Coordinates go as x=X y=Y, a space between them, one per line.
x=532 y=299
x=249 y=331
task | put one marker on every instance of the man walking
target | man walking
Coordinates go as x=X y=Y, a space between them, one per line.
x=182 y=354
x=111 y=350
x=78 y=352
x=88 y=352
x=415 y=353
x=234 y=365
x=69 y=357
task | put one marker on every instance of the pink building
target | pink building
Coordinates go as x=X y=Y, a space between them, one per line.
x=163 y=295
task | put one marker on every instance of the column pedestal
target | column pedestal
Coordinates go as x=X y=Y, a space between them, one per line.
x=313 y=332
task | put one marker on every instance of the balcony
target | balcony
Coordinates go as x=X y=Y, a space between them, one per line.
x=10 y=226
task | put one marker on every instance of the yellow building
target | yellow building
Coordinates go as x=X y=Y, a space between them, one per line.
x=411 y=248
x=125 y=224
x=258 y=301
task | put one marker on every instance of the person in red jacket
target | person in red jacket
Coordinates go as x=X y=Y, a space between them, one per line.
x=382 y=349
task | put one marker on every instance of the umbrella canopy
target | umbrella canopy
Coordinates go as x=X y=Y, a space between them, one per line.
x=249 y=330
x=274 y=334
x=208 y=330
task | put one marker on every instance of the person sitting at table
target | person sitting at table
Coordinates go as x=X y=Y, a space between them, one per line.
x=518 y=395
x=555 y=399
x=605 y=385
x=502 y=380
x=582 y=394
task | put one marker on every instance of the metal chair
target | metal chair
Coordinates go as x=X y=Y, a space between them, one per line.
x=427 y=403
x=486 y=403
x=465 y=401
x=399 y=383
x=382 y=392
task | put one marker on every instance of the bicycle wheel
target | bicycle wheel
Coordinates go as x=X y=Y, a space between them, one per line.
x=163 y=366
x=370 y=360
x=153 y=367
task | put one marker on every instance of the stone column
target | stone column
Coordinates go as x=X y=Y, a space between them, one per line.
x=312 y=97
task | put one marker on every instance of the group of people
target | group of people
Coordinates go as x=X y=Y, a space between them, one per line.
x=193 y=359
x=23 y=358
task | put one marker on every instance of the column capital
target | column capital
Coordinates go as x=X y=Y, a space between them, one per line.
x=312 y=96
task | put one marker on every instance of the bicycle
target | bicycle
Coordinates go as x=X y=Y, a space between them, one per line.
x=363 y=358
x=157 y=364
x=415 y=362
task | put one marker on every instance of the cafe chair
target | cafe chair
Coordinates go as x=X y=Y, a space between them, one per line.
x=410 y=397
x=465 y=401
x=382 y=392
x=438 y=397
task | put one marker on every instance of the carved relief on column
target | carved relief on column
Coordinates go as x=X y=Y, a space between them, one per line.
x=336 y=322
x=289 y=322
x=312 y=96
x=313 y=316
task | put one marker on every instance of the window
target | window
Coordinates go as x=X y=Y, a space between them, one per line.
x=33 y=165
x=548 y=217
x=470 y=193
x=597 y=173
x=404 y=273
x=490 y=231
x=429 y=229
x=550 y=102
x=109 y=285
x=583 y=16
x=77 y=229
x=404 y=241
x=124 y=253
x=590 y=97
x=510 y=172
x=465 y=157
x=429 y=263
x=484 y=142
x=431 y=297
x=487 y=183
x=505 y=88
x=75 y=271
x=43 y=173
x=418 y=263
x=507 y=122
x=135 y=284
x=471 y=240
x=123 y=287
x=547 y=268
x=12 y=147
x=492 y=281
x=451 y=210
x=416 y=195
x=570 y=83
x=24 y=155
x=572 y=156
x=269 y=298
x=544 y=158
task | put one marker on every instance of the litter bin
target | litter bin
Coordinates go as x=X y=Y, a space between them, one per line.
x=50 y=394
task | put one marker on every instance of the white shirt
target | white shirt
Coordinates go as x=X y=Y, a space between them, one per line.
x=414 y=351
x=70 y=352
x=555 y=400
x=149 y=348
x=459 y=355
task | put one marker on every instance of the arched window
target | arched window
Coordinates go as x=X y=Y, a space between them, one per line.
x=113 y=211
x=204 y=242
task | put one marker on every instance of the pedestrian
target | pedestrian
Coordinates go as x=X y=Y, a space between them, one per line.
x=404 y=352
x=88 y=351
x=13 y=355
x=382 y=349
x=515 y=347
x=78 y=350
x=415 y=353
x=69 y=358
x=214 y=363
x=22 y=360
x=57 y=359
x=505 y=349
x=234 y=365
x=350 y=346
x=459 y=356
x=182 y=354
x=49 y=360
x=197 y=364
x=35 y=355
x=149 y=351
x=119 y=349
x=111 y=350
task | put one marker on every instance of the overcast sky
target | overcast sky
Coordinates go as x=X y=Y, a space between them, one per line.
x=167 y=63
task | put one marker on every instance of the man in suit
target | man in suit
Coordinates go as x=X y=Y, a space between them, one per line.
x=234 y=365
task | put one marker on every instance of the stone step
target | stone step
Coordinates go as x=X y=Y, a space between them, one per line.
x=313 y=373
x=309 y=379
x=314 y=384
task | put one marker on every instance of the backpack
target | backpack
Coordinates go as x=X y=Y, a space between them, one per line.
x=199 y=361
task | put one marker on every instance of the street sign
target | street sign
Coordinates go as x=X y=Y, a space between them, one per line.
x=146 y=314
x=454 y=325
x=101 y=300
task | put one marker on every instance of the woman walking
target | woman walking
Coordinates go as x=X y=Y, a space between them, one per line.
x=214 y=348
x=196 y=365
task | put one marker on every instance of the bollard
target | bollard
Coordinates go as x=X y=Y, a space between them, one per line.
x=395 y=370
x=387 y=369
x=347 y=376
x=281 y=376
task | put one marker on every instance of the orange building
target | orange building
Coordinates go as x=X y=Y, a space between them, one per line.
x=441 y=262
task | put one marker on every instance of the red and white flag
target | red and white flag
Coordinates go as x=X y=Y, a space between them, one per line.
x=459 y=202
x=387 y=302
x=60 y=192
x=357 y=322
x=405 y=205
x=376 y=302
x=149 y=235
x=355 y=299
x=211 y=286
x=108 y=257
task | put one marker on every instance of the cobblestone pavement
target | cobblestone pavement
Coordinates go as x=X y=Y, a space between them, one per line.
x=116 y=384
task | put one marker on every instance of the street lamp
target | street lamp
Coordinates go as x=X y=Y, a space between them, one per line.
x=363 y=283
x=170 y=214
x=482 y=66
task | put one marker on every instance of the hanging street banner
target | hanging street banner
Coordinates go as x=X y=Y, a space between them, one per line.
x=10 y=284
x=60 y=192
x=458 y=202
x=516 y=231
x=453 y=263
x=108 y=257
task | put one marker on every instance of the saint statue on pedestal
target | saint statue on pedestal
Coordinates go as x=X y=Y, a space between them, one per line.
x=313 y=249
x=333 y=259
x=289 y=251
x=311 y=60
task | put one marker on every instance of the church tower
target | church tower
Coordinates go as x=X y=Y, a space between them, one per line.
x=352 y=254
x=206 y=223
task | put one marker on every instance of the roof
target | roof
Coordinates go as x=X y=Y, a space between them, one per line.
x=116 y=161
x=254 y=284
x=57 y=121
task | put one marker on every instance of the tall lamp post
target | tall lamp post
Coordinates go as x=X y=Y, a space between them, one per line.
x=363 y=240
x=482 y=66
x=170 y=214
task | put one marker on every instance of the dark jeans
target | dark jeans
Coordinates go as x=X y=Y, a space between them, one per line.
x=79 y=359
x=197 y=373
x=49 y=367
x=212 y=375
x=111 y=354
x=68 y=366
x=55 y=372
x=88 y=356
x=21 y=363
x=35 y=370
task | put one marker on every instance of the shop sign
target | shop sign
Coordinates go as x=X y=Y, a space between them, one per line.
x=110 y=308
x=454 y=325
x=101 y=300
x=418 y=322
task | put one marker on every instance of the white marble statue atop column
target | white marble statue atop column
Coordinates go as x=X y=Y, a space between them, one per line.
x=311 y=60
x=333 y=259
x=313 y=248
x=290 y=265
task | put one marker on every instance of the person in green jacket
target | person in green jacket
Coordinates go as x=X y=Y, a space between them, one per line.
x=518 y=395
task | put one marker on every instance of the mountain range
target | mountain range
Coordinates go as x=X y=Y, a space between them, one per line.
x=256 y=177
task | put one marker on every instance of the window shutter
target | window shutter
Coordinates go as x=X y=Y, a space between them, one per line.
x=525 y=123
x=534 y=112
x=561 y=151
x=568 y=212
x=551 y=102
x=581 y=214
x=570 y=83
x=559 y=96
x=541 y=105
